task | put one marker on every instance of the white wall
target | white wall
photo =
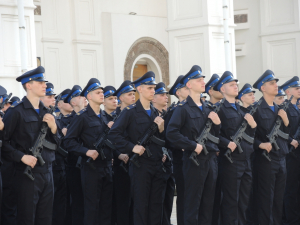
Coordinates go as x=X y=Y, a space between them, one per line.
x=271 y=40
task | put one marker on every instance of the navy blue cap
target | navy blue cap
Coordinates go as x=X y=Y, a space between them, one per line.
x=161 y=88
x=177 y=85
x=2 y=91
x=50 y=89
x=76 y=91
x=266 y=77
x=32 y=75
x=92 y=85
x=294 y=82
x=5 y=96
x=14 y=99
x=194 y=73
x=109 y=91
x=124 y=88
x=247 y=88
x=225 y=78
x=212 y=82
x=147 y=79
x=64 y=94
x=280 y=92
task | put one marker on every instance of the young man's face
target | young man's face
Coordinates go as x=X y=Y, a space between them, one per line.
x=147 y=91
x=183 y=92
x=111 y=103
x=215 y=94
x=230 y=89
x=161 y=99
x=48 y=100
x=197 y=85
x=270 y=88
x=79 y=101
x=128 y=98
x=279 y=100
x=295 y=91
x=64 y=106
x=38 y=88
x=248 y=98
x=96 y=96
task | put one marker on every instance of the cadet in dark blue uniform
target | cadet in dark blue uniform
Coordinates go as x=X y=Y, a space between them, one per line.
x=123 y=204
x=9 y=184
x=110 y=102
x=160 y=102
x=215 y=97
x=59 y=168
x=23 y=123
x=247 y=97
x=279 y=98
x=235 y=177
x=291 y=198
x=82 y=133
x=186 y=124
x=181 y=92
x=271 y=175
x=73 y=173
x=147 y=181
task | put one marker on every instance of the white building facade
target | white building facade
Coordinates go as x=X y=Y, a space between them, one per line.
x=109 y=39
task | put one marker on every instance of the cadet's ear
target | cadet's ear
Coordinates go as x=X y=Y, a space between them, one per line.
x=188 y=84
x=89 y=96
x=222 y=89
x=263 y=88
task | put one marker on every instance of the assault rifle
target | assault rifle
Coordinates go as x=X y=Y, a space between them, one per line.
x=100 y=144
x=40 y=142
x=240 y=134
x=5 y=101
x=148 y=137
x=275 y=132
x=206 y=135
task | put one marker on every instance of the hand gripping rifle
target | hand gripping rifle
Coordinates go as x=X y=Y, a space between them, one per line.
x=100 y=144
x=240 y=134
x=36 y=149
x=149 y=137
x=206 y=135
x=5 y=101
x=297 y=138
x=275 y=132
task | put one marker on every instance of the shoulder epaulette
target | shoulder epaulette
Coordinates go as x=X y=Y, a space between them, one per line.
x=81 y=111
x=68 y=115
x=131 y=106
x=15 y=104
x=182 y=103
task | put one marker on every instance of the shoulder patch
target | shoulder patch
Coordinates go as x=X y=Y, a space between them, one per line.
x=182 y=103
x=131 y=106
x=15 y=104
x=81 y=111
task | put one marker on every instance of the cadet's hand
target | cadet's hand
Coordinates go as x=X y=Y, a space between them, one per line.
x=110 y=124
x=50 y=120
x=160 y=123
x=231 y=146
x=164 y=158
x=1 y=124
x=198 y=149
x=295 y=143
x=138 y=149
x=284 y=117
x=92 y=153
x=64 y=131
x=250 y=120
x=124 y=158
x=29 y=160
x=266 y=146
x=214 y=118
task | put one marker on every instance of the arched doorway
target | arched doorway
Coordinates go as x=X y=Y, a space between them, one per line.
x=147 y=54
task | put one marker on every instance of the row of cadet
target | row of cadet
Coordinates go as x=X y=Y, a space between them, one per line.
x=65 y=161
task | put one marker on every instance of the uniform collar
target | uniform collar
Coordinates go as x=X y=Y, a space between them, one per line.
x=265 y=105
x=191 y=102
x=140 y=108
x=27 y=104
x=91 y=111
